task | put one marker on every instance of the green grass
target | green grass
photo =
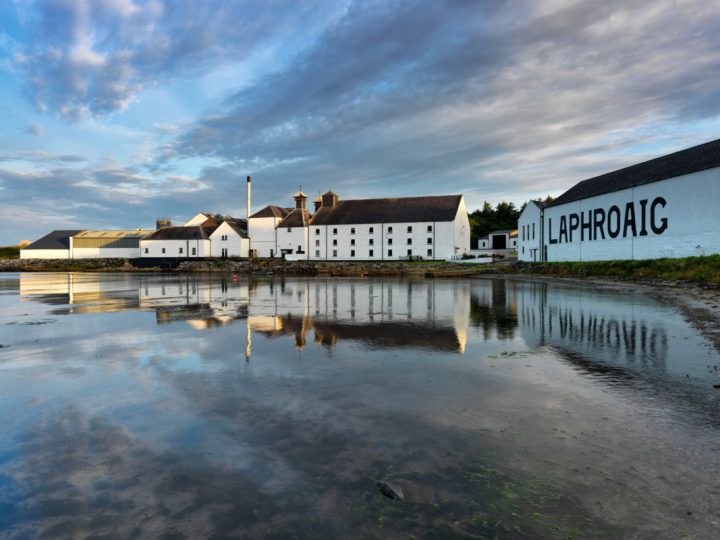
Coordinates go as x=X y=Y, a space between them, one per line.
x=698 y=269
x=9 y=252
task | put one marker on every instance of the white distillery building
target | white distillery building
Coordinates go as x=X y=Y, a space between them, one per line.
x=499 y=240
x=107 y=244
x=665 y=207
x=54 y=245
x=389 y=229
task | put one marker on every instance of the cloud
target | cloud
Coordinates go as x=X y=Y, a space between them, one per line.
x=94 y=58
x=446 y=96
x=34 y=129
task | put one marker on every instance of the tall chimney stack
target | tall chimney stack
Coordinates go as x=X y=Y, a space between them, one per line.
x=248 y=198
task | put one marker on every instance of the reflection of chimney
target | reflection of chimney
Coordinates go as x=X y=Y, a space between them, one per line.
x=248 y=197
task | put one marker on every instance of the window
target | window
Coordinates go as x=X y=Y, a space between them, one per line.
x=523 y=250
x=409 y=228
x=163 y=250
x=180 y=251
x=317 y=243
x=389 y=230
x=334 y=231
x=409 y=252
x=317 y=232
x=429 y=228
x=533 y=231
x=317 y=252
x=409 y=241
x=370 y=241
x=223 y=237
x=334 y=252
x=335 y=242
x=429 y=252
x=289 y=229
x=371 y=230
x=370 y=253
x=389 y=241
x=389 y=252
x=352 y=230
x=194 y=251
x=352 y=241
x=147 y=250
x=429 y=240
x=352 y=252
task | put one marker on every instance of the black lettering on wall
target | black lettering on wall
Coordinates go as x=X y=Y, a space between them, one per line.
x=613 y=215
x=563 y=230
x=643 y=217
x=658 y=229
x=629 y=220
x=574 y=224
x=599 y=215
x=550 y=237
x=586 y=225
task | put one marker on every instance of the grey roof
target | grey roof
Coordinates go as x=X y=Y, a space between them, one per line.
x=690 y=160
x=239 y=226
x=399 y=210
x=271 y=211
x=195 y=232
x=504 y=231
x=54 y=240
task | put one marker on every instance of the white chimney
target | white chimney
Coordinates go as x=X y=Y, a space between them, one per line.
x=248 y=198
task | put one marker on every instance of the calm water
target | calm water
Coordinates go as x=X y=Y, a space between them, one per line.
x=196 y=406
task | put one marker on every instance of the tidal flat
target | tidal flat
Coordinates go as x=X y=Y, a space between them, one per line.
x=201 y=405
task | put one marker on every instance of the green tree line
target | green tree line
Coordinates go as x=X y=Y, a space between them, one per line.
x=489 y=218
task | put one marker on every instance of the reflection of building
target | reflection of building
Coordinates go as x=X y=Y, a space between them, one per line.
x=612 y=329
x=432 y=315
x=383 y=313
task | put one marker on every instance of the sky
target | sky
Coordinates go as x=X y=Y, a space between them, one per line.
x=114 y=113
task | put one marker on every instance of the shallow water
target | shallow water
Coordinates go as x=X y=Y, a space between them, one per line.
x=198 y=406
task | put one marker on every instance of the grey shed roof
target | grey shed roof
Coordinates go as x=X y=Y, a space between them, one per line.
x=690 y=160
x=400 y=210
x=54 y=240
x=180 y=233
x=296 y=218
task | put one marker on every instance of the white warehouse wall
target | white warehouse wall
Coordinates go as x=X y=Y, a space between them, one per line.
x=529 y=244
x=236 y=245
x=262 y=236
x=686 y=221
x=153 y=248
x=44 y=253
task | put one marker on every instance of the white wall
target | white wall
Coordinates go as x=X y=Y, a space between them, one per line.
x=105 y=253
x=690 y=210
x=153 y=248
x=461 y=231
x=292 y=239
x=385 y=237
x=236 y=245
x=197 y=219
x=44 y=254
x=262 y=236
x=529 y=238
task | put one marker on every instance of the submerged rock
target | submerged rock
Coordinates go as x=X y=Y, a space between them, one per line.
x=391 y=491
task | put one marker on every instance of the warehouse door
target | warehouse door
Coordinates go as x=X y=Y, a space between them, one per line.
x=499 y=241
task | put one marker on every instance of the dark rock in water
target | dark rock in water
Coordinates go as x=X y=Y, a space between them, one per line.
x=391 y=491
x=716 y=385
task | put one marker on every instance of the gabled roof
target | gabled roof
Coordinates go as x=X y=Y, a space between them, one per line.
x=237 y=225
x=690 y=160
x=271 y=211
x=539 y=204
x=54 y=240
x=398 y=210
x=296 y=218
x=194 y=232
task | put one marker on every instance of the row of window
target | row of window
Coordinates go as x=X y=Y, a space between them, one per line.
x=371 y=242
x=526 y=232
x=371 y=253
x=193 y=251
x=372 y=230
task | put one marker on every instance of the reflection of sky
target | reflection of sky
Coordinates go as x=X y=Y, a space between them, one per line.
x=133 y=422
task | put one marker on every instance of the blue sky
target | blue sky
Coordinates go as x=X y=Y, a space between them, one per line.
x=116 y=112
